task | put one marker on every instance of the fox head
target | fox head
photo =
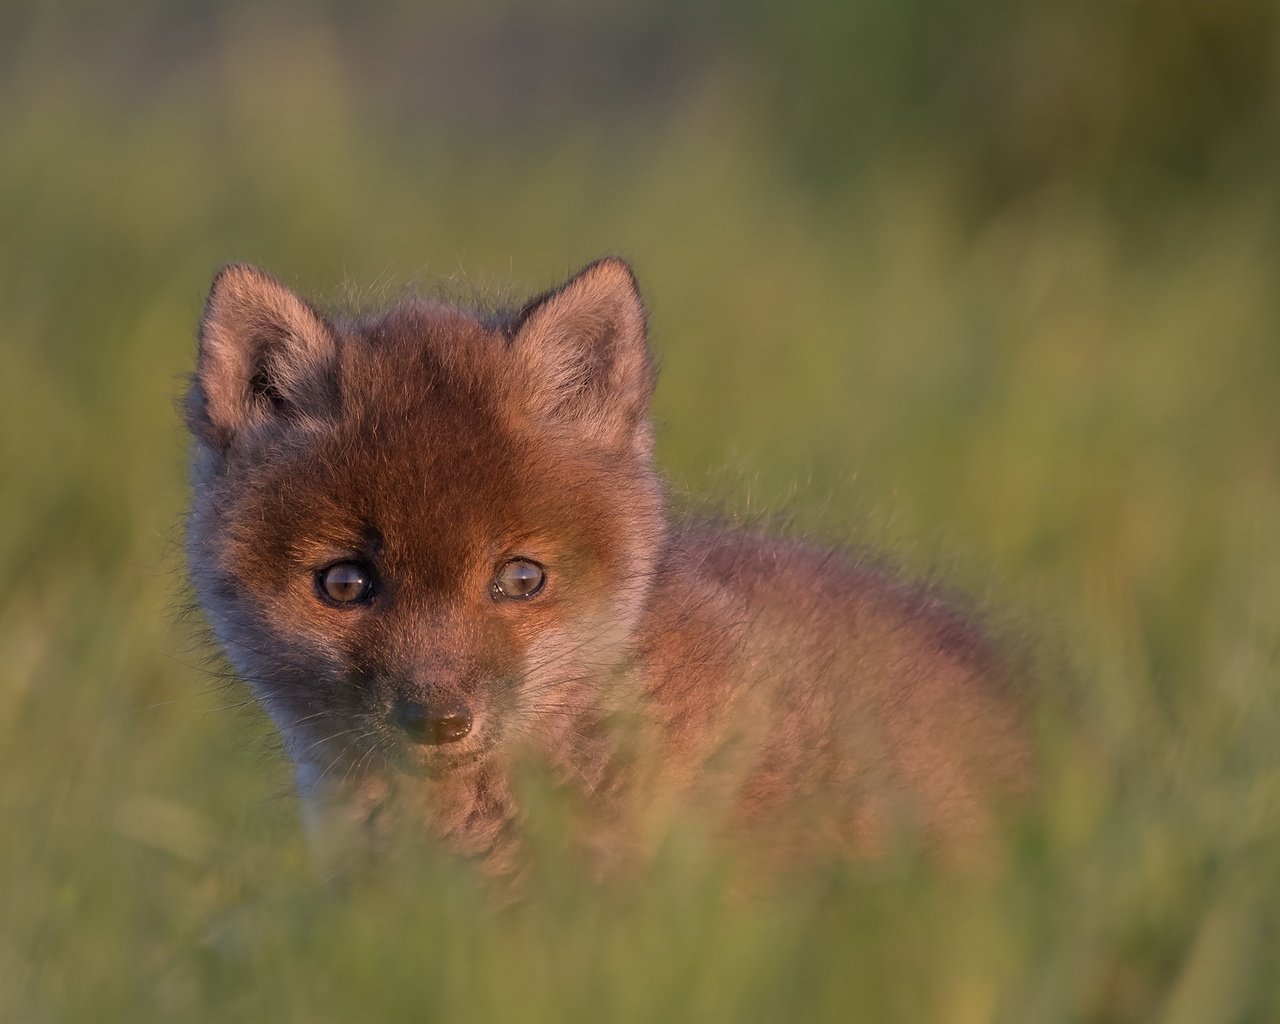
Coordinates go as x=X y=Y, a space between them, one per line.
x=427 y=534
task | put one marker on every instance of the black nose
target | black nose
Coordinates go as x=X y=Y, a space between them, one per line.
x=430 y=725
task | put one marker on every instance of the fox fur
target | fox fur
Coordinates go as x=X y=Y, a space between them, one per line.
x=430 y=445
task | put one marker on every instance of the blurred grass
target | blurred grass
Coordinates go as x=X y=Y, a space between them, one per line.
x=1043 y=364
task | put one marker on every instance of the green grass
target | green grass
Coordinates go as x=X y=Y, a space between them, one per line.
x=1070 y=408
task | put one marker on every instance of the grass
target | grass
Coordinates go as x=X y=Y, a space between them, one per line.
x=1070 y=411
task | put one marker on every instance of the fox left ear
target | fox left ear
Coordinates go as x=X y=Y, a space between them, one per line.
x=585 y=347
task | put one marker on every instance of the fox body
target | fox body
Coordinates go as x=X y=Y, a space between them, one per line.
x=433 y=542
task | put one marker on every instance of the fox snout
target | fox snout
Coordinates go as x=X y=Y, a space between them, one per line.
x=432 y=723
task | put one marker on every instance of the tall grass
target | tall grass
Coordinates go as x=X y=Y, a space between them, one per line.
x=1067 y=409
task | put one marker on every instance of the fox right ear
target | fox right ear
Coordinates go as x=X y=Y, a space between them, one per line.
x=264 y=354
x=585 y=347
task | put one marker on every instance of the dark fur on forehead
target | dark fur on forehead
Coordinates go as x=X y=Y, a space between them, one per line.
x=418 y=346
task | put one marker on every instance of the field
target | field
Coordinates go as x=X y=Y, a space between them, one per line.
x=992 y=288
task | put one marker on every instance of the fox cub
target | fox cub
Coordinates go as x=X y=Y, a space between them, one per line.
x=434 y=545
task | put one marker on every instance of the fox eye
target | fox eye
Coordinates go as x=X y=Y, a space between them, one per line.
x=519 y=578
x=345 y=582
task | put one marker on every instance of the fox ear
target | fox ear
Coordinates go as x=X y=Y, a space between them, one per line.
x=264 y=354
x=586 y=350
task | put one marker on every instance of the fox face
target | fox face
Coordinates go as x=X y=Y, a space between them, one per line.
x=425 y=537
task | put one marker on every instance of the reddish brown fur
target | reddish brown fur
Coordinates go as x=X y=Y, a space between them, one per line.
x=433 y=444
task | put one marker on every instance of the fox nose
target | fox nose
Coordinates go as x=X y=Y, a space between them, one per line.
x=429 y=725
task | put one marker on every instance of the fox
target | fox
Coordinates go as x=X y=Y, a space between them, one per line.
x=434 y=543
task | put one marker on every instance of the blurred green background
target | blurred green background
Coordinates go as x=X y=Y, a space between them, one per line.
x=991 y=284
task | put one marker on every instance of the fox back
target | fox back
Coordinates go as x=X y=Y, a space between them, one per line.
x=432 y=541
